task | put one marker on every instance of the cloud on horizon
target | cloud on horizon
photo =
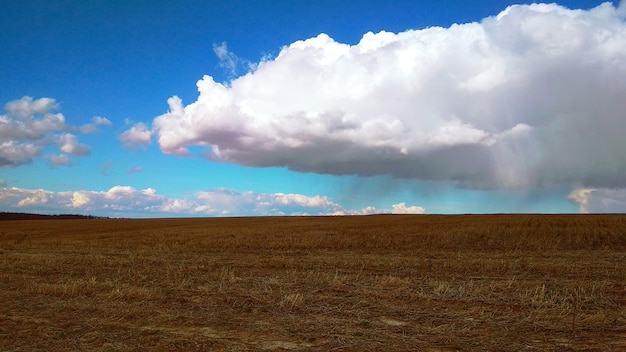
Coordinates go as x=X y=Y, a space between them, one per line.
x=602 y=200
x=126 y=201
x=29 y=126
x=532 y=97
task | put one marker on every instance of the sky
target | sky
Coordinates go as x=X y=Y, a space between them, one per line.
x=248 y=108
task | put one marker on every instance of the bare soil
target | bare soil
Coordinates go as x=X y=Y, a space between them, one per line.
x=362 y=283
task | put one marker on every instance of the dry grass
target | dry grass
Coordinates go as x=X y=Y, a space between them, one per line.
x=374 y=283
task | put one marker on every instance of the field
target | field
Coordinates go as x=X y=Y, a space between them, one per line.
x=362 y=283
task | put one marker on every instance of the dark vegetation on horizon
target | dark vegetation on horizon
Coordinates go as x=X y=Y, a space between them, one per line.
x=29 y=216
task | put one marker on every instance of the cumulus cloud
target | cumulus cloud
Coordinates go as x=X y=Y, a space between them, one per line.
x=68 y=143
x=57 y=160
x=139 y=134
x=599 y=200
x=402 y=208
x=36 y=197
x=93 y=126
x=128 y=201
x=24 y=109
x=80 y=199
x=531 y=97
x=30 y=125
x=13 y=153
x=369 y=210
x=229 y=202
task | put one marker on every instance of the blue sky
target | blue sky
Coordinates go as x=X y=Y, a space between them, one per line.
x=206 y=108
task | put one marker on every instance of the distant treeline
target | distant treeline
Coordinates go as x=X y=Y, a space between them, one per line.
x=27 y=216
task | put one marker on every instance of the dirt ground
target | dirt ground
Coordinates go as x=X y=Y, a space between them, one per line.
x=359 y=283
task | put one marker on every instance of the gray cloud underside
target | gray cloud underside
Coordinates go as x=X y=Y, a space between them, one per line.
x=531 y=97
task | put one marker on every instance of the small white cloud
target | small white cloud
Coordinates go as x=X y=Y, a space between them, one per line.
x=99 y=120
x=68 y=143
x=93 y=126
x=402 y=208
x=369 y=210
x=137 y=135
x=58 y=160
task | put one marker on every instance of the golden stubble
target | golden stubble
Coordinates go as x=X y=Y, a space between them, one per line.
x=388 y=283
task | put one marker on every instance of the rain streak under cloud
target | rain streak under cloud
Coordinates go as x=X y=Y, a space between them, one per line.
x=532 y=97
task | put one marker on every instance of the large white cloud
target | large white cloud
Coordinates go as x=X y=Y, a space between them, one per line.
x=30 y=125
x=531 y=97
x=127 y=201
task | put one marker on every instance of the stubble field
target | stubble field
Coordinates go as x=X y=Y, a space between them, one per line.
x=368 y=283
